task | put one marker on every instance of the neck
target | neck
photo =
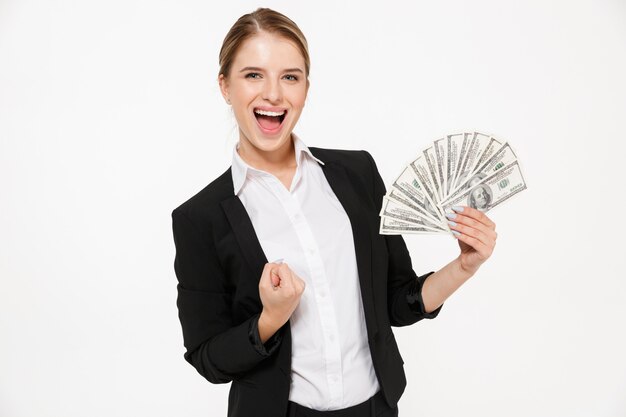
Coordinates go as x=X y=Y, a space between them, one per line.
x=277 y=160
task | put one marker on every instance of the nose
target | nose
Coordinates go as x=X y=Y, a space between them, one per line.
x=272 y=91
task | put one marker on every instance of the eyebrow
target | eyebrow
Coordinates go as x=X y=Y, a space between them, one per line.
x=260 y=69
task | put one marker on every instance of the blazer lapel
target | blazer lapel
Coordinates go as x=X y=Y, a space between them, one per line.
x=349 y=199
x=255 y=257
x=244 y=232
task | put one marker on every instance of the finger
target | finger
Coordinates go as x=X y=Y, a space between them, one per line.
x=275 y=278
x=269 y=276
x=292 y=281
x=475 y=233
x=475 y=214
x=280 y=274
x=459 y=219
x=265 y=282
x=483 y=250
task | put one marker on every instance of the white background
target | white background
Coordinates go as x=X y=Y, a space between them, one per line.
x=110 y=117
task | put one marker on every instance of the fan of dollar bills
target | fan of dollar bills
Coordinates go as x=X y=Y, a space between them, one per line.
x=464 y=169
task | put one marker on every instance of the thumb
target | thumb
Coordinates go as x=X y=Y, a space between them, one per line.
x=274 y=277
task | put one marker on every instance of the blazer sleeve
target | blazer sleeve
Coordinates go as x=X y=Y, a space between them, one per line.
x=220 y=350
x=404 y=286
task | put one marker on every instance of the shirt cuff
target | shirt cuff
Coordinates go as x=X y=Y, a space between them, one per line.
x=270 y=345
x=414 y=298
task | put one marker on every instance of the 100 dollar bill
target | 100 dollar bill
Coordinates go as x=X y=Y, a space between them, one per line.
x=500 y=158
x=394 y=209
x=491 y=191
x=391 y=226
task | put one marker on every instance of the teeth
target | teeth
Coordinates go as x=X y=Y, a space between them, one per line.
x=269 y=113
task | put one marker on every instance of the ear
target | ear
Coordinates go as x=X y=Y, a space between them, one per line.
x=224 y=87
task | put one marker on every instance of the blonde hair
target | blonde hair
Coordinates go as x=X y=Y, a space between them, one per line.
x=248 y=25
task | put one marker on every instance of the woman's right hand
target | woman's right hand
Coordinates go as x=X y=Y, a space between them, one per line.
x=280 y=290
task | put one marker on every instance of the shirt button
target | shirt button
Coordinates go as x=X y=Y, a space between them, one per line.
x=331 y=338
x=311 y=251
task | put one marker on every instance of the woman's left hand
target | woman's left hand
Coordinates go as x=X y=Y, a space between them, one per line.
x=476 y=234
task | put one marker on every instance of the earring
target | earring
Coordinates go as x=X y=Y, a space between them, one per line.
x=228 y=100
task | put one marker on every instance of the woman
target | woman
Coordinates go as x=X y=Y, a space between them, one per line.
x=309 y=336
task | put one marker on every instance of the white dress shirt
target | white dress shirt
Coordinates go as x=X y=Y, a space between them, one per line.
x=331 y=364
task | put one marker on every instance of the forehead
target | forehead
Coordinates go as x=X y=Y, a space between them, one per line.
x=268 y=50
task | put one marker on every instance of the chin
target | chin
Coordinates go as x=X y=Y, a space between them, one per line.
x=269 y=144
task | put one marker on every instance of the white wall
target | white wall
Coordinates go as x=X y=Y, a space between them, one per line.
x=110 y=117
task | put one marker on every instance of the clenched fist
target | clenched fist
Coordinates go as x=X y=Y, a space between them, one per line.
x=280 y=290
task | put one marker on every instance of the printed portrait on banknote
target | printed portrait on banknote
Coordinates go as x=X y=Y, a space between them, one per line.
x=480 y=197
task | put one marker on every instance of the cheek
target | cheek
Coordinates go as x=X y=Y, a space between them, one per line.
x=243 y=94
x=240 y=112
x=298 y=97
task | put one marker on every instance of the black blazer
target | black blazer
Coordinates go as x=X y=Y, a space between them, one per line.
x=218 y=264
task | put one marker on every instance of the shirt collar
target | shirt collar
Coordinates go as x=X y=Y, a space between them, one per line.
x=240 y=168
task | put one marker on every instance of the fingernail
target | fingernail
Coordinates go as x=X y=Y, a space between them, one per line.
x=451 y=223
x=455 y=233
x=451 y=216
x=458 y=209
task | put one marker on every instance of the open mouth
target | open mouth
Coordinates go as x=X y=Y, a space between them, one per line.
x=270 y=120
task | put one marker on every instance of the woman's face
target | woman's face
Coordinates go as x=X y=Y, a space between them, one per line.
x=267 y=88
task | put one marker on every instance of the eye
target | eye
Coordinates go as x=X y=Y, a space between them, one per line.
x=291 y=77
x=253 y=75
